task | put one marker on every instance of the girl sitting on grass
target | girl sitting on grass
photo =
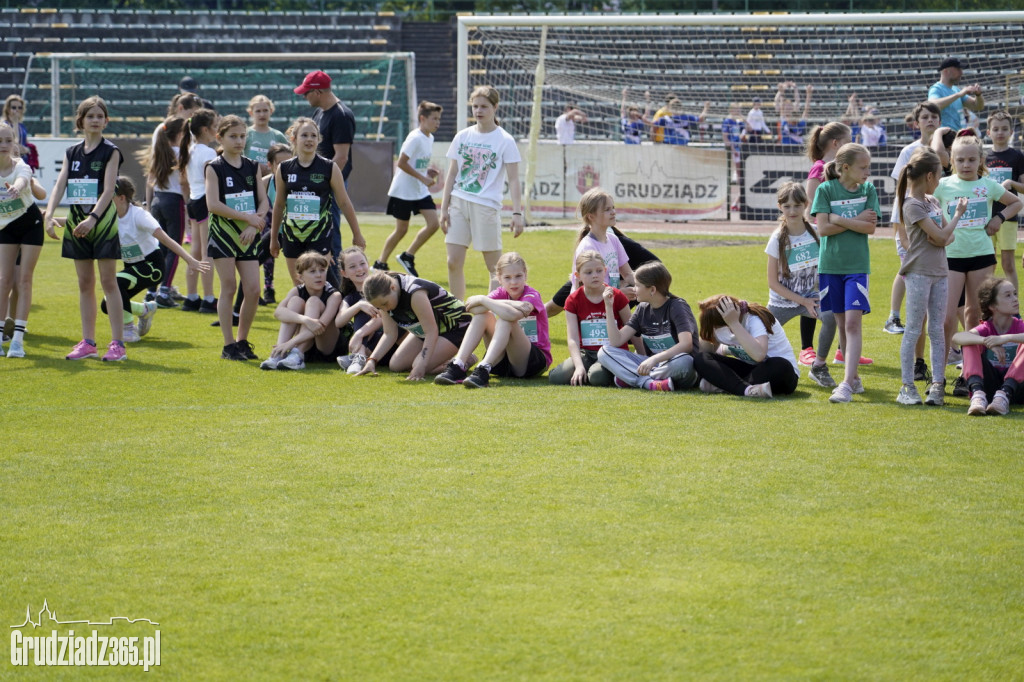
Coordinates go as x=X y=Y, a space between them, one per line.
x=743 y=350
x=361 y=320
x=993 y=361
x=436 y=322
x=586 y=324
x=665 y=323
x=514 y=324
x=307 y=316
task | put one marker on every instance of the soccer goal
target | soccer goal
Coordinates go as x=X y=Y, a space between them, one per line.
x=379 y=87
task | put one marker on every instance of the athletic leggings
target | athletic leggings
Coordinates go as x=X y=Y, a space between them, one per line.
x=828 y=327
x=623 y=364
x=926 y=296
x=982 y=375
x=138 y=277
x=169 y=211
x=733 y=375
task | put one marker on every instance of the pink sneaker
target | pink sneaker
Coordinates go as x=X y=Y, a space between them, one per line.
x=807 y=357
x=82 y=351
x=840 y=360
x=660 y=385
x=115 y=352
x=620 y=383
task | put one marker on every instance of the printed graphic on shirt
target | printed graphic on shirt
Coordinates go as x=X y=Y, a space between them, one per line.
x=478 y=162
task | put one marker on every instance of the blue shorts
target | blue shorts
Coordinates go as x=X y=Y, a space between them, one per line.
x=840 y=293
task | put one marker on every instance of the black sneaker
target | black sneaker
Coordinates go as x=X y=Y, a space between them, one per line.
x=408 y=263
x=234 y=321
x=208 y=306
x=232 y=352
x=246 y=349
x=380 y=265
x=268 y=296
x=960 y=388
x=480 y=378
x=921 y=372
x=191 y=305
x=453 y=374
x=165 y=301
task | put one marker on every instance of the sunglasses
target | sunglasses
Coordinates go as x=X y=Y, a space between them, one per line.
x=16 y=108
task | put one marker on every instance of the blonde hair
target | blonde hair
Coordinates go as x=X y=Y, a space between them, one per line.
x=293 y=130
x=592 y=201
x=310 y=260
x=846 y=156
x=964 y=141
x=487 y=92
x=507 y=259
x=260 y=99
x=822 y=135
x=585 y=257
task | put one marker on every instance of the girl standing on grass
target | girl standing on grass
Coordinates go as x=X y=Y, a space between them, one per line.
x=193 y=157
x=587 y=326
x=238 y=208
x=307 y=316
x=793 y=280
x=260 y=137
x=597 y=209
x=306 y=186
x=667 y=327
x=21 y=233
x=357 y=314
x=514 y=324
x=163 y=179
x=846 y=206
x=993 y=361
x=89 y=175
x=471 y=203
x=760 y=361
x=436 y=322
x=971 y=257
x=141 y=238
x=924 y=268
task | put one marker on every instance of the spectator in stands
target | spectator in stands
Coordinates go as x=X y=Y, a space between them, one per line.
x=950 y=98
x=792 y=129
x=337 y=132
x=872 y=132
x=732 y=130
x=677 y=124
x=188 y=85
x=851 y=116
x=756 y=126
x=633 y=122
x=565 y=125
x=658 y=131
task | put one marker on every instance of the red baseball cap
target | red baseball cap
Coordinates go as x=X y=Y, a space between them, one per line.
x=314 y=80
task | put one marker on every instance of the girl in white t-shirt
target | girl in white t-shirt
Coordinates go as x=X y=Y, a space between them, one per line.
x=141 y=236
x=597 y=209
x=793 y=280
x=195 y=151
x=744 y=350
x=471 y=203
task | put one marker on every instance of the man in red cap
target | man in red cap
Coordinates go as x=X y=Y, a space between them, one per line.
x=337 y=131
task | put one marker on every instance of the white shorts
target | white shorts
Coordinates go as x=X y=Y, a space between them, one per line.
x=474 y=223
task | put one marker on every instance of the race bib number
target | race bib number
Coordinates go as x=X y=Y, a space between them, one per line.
x=976 y=214
x=529 y=327
x=416 y=330
x=849 y=208
x=803 y=257
x=131 y=253
x=9 y=208
x=303 y=206
x=739 y=353
x=257 y=154
x=593 y=333
x=658 y=343
x=614 y=278
x=83 y=191
x=936 y=218
x=243 y=202
x=1000 y=174
x=1010 y=349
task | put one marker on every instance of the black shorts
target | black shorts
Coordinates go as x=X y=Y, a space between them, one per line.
x=292 y=249
x=144 y=273
x=84 y=248
x=562 y=295
x=403 y=209
x=224 y=243
x=26 y=229
x=972 y=263
x=315 y=355
x=535 y=364
x=455 y=335
x=198 y=210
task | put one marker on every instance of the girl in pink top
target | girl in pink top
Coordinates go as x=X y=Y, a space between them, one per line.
x=993 y=361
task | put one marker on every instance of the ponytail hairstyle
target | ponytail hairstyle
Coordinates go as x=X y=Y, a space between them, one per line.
x=846 y=156
x=488 y=93
x=795 y=192
x=293 y=130
x=378 y=285
x=591 y=202
x=711 y=319
x=125 y=188
x=158 y=161
x=821 y=136
x=654 y=274
x=967 y=138
x=923 y=161
x=204 y=118
x=987 y=294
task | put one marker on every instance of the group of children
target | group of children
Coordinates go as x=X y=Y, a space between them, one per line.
x=367 y=318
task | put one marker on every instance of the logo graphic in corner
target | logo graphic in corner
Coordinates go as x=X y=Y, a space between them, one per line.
x=587 y=178
x=317 y=178
x=96 y=166
x=62 y=647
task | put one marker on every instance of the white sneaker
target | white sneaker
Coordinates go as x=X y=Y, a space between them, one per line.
x=345 y=361
x=760 y=390
x=294 y=360
x=708 y=387
x=843 y=393
x=131 y=333
x=358 y=362
x=146 y=318
x=16 y=350
x=270 y=363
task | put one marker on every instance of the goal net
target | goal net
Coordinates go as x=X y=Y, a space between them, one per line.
x=378 y=87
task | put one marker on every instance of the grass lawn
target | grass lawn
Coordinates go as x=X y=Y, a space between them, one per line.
x=319 y=526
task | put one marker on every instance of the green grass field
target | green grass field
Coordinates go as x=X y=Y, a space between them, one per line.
x=319 y=526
